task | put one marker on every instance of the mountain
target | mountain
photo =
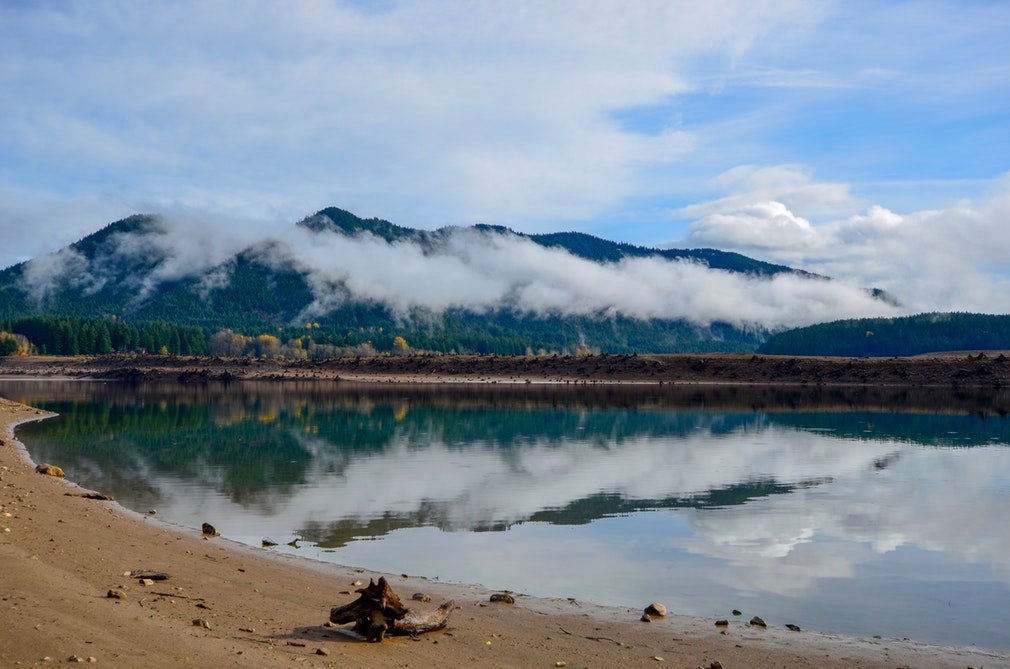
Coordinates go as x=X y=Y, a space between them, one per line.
x=578 y=244
x=352 y=282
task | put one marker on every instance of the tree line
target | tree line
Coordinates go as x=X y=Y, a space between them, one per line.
x=51 y=335
x=500 y=333
x=71 y=335
x=886 y=337
x=364 y=330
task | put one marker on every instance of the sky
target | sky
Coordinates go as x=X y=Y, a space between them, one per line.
x=866 y=141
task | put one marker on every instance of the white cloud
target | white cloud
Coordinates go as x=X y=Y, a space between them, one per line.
x=946 y=260
x=426 y=112
x=761 y=225
x=66 y=268
x=790 y=185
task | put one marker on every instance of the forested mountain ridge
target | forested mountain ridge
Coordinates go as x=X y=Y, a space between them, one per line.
x=903 y=336
x=577 y=243
x=318 y=286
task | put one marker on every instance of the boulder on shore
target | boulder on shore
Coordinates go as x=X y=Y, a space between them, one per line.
x=49 y=470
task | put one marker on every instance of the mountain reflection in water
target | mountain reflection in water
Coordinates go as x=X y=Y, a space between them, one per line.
x=813 y=506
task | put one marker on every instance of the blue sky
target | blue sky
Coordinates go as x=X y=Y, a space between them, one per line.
x=865 y=140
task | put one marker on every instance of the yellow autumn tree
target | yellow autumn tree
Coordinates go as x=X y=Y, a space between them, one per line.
x=8 y=345
x=268 y=346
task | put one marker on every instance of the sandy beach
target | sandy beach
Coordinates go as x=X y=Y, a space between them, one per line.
x=63 y=553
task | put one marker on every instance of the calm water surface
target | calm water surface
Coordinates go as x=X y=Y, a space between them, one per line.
x=858 y=512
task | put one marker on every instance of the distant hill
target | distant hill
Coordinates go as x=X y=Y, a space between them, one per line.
x=136 y=270
x=905 y=336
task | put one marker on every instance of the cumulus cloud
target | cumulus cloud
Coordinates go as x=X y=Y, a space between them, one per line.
x=790 y=185
x=757 y=225
x=947 y=259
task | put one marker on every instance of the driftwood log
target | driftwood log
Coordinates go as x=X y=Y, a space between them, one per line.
x=377 y=612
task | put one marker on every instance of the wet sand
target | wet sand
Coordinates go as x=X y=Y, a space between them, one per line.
x=62 y=553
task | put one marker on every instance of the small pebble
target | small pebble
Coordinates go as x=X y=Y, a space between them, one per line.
x=645 y=618
x=721 y=623
x=795 y=628
x=322 y=651
x=560 y=663
x=757 y=621
x=200 y=622
x=503 y=597
x=736 y=612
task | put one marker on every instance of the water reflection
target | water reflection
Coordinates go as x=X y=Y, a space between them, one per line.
x=817 y=506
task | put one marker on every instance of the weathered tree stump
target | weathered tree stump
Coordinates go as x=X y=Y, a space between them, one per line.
x=416 y=623
x=377 y=612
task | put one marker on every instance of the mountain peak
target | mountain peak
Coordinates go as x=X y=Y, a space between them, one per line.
x=138 y=223
x=334 y=219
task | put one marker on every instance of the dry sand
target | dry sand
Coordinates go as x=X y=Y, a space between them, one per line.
x=61 y=554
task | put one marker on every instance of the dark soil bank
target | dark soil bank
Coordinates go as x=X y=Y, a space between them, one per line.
x=989 y=369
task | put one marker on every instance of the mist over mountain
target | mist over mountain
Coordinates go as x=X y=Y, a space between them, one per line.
x=547 y=291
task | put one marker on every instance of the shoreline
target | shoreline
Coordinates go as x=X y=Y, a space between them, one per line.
x=989 y=370
x=64 y=553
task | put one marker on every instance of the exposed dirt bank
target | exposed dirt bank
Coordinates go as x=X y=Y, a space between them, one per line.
x=989 y=369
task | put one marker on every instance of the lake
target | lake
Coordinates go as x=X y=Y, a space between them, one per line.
x=859 y=511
